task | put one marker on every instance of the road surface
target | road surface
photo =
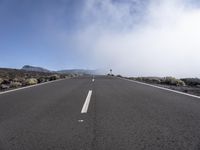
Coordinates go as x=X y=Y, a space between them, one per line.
x=105 y=113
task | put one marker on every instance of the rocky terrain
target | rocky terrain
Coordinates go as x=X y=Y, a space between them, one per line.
x=187 y=85
x=14 y=78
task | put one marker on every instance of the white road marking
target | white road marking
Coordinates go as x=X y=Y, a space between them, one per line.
x=80 y=120
x=26 y=87
x=87 y=102
x=92 y=80
x=163 y=88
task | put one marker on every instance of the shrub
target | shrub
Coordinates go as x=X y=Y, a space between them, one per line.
x=6 y=81
x=191 y=81
x=31 y=81
x=170 y=80
x=41 y=79
x=54 y=77
x=180 y=83
x=15 y=80
x=139 y=79
x=47 y=79
x=119 y=76
x=1 y=80
x=155 y=80
x=61 y=76
x=173 y=81
x=110 y=74
x=18 y=79
x=67 y=77
x=15 y=84
x=131 y=78
x=72 y=75
x=4 y=86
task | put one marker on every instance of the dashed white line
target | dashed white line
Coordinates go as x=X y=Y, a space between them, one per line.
x=87 y=102
x=80 y=121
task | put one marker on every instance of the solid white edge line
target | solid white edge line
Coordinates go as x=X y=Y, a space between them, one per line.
x=87 y=102
x=162 y=88
x=26 y=87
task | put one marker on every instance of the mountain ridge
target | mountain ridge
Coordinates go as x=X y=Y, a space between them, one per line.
x=34 y=68
x=64 y=71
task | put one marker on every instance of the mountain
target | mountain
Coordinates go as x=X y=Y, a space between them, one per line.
x=36 y=69
x=70 y=71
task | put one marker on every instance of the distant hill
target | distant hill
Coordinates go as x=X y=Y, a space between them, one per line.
x=36 y=69
x=70 y=71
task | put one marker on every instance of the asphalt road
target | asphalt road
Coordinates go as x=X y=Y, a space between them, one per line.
x=121 y=115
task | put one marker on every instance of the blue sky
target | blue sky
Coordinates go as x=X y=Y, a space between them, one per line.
x=39 y=32
x=30 y=32
x=133 y=37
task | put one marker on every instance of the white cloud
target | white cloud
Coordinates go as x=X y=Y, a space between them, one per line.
x=161 y=43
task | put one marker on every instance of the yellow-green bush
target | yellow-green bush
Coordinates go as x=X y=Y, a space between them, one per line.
x=31 y=81
x=15 y=84
x=173 y=81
